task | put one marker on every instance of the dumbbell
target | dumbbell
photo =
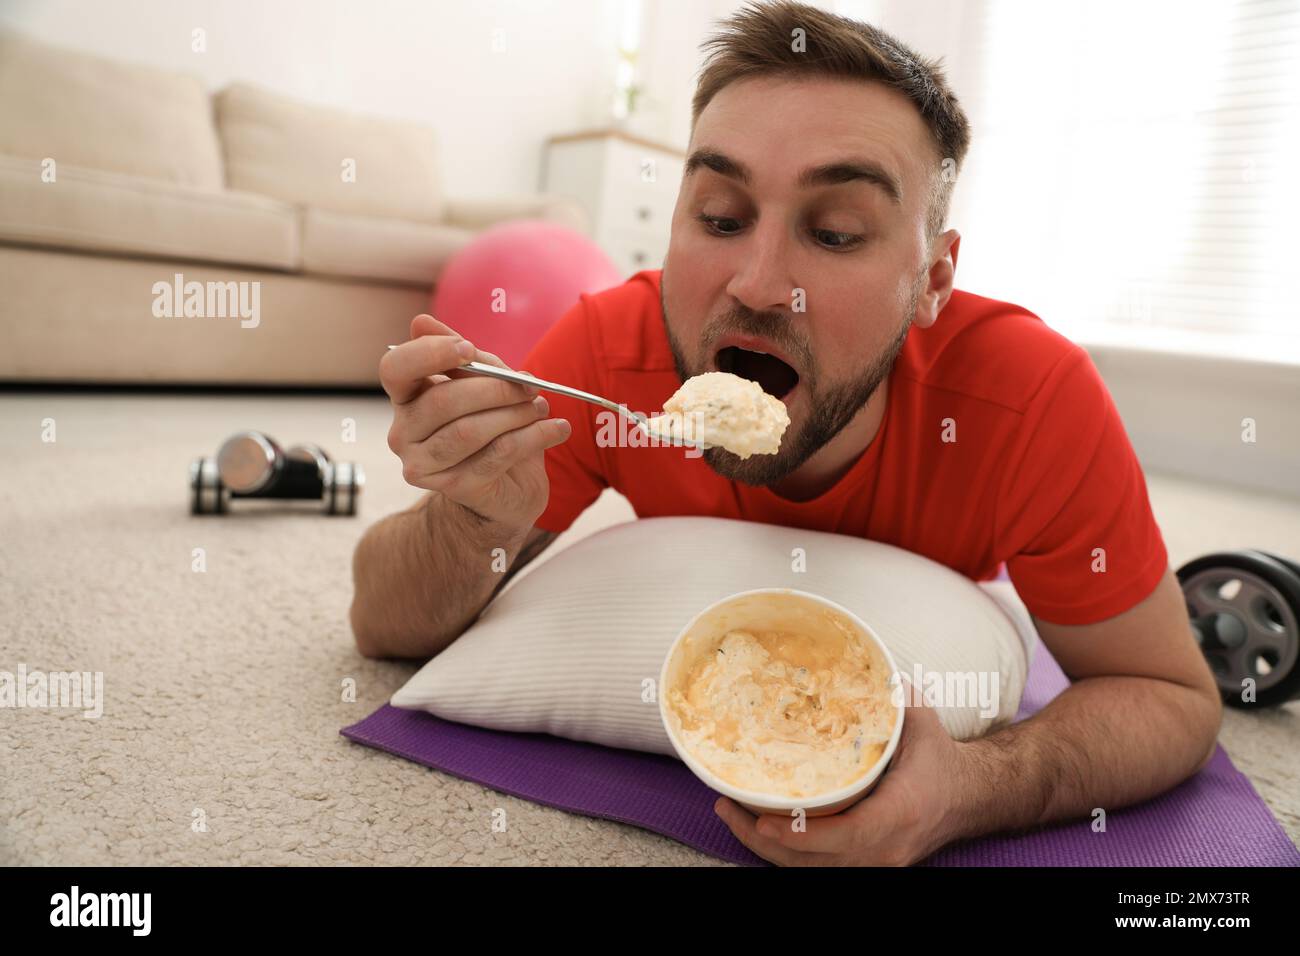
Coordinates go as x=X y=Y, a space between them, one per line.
x=251 y=465
x=1245 y=612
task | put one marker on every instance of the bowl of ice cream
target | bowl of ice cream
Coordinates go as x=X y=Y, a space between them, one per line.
x=781 y=700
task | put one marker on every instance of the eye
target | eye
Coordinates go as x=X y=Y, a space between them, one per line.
x=715 y=224
x=724 y=226
x=837 y=240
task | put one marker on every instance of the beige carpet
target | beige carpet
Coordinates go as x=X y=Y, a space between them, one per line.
x=224 y=688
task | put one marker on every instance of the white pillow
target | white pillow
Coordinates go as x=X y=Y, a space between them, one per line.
x=574 y=647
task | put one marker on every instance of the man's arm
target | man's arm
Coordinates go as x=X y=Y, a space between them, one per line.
x=1141 y=715
x=423 y=575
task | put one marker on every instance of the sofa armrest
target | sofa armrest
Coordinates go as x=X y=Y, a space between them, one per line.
x=481 y=213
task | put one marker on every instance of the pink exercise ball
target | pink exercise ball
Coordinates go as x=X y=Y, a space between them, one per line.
x=513 y=281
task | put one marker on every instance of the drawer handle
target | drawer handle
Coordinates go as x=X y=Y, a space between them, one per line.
x=638 y=257
x=643 y=213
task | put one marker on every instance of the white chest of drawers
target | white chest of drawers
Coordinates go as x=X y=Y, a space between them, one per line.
x=628 y=187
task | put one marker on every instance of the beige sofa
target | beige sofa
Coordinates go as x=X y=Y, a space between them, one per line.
x=151 y=233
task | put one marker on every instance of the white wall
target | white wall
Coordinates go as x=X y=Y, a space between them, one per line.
x=427 y=61
x=673 y=30
x=669 y=64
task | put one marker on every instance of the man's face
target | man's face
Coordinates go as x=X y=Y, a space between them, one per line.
x=825 y=274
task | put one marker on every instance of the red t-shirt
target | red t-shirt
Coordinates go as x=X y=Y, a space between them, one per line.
x=1040 y=475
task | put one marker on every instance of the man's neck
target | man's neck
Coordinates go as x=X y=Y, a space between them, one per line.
x=833 y=461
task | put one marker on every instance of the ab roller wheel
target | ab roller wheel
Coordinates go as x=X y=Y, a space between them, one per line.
x=1245 y=611
x=250 y=465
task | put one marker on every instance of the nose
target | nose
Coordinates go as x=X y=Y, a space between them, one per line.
x=761 y=279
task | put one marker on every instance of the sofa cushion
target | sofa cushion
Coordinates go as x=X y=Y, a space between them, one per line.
x=366 y=247
x=86 y=111
x=70 y=317
x=297 y=152
x=132 y=215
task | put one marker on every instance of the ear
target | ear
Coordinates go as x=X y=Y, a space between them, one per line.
x=938 y=287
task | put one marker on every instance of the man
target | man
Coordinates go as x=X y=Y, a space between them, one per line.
x=809 y=227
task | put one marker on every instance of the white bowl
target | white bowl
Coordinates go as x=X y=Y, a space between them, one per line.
x=769 y=608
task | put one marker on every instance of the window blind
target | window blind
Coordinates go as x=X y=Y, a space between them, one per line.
x=1133 y=174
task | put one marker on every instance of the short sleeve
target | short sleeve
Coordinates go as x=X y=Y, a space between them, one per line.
x=1074 y=522
x=573 y=468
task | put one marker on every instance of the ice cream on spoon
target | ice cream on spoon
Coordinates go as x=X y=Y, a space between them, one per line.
x=719 y=408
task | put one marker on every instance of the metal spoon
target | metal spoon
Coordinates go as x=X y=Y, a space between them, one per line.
x=523 y=378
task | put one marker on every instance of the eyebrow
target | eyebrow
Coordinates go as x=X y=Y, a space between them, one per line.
x=830 y=174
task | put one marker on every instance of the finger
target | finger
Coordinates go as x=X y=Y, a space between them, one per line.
x=502 y=454
x=425 y=324
x=463 y=375
x=744 y=825
x=418 y=419
x=830 y=834
x=488 y=358
x=911 y=695
x=921 y=718
x=404 y=371
x=922 y=721
x=857 y=828
x=485 y=357
x=467 y=435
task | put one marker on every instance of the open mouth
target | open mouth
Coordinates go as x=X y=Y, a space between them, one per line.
x=774 y=376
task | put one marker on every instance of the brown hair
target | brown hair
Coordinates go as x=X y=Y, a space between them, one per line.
x=758 y=41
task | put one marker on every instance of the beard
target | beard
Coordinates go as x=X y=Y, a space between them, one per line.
x=832 y=405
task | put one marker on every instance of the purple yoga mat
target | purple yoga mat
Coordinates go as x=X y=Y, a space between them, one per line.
x=1212 y=819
